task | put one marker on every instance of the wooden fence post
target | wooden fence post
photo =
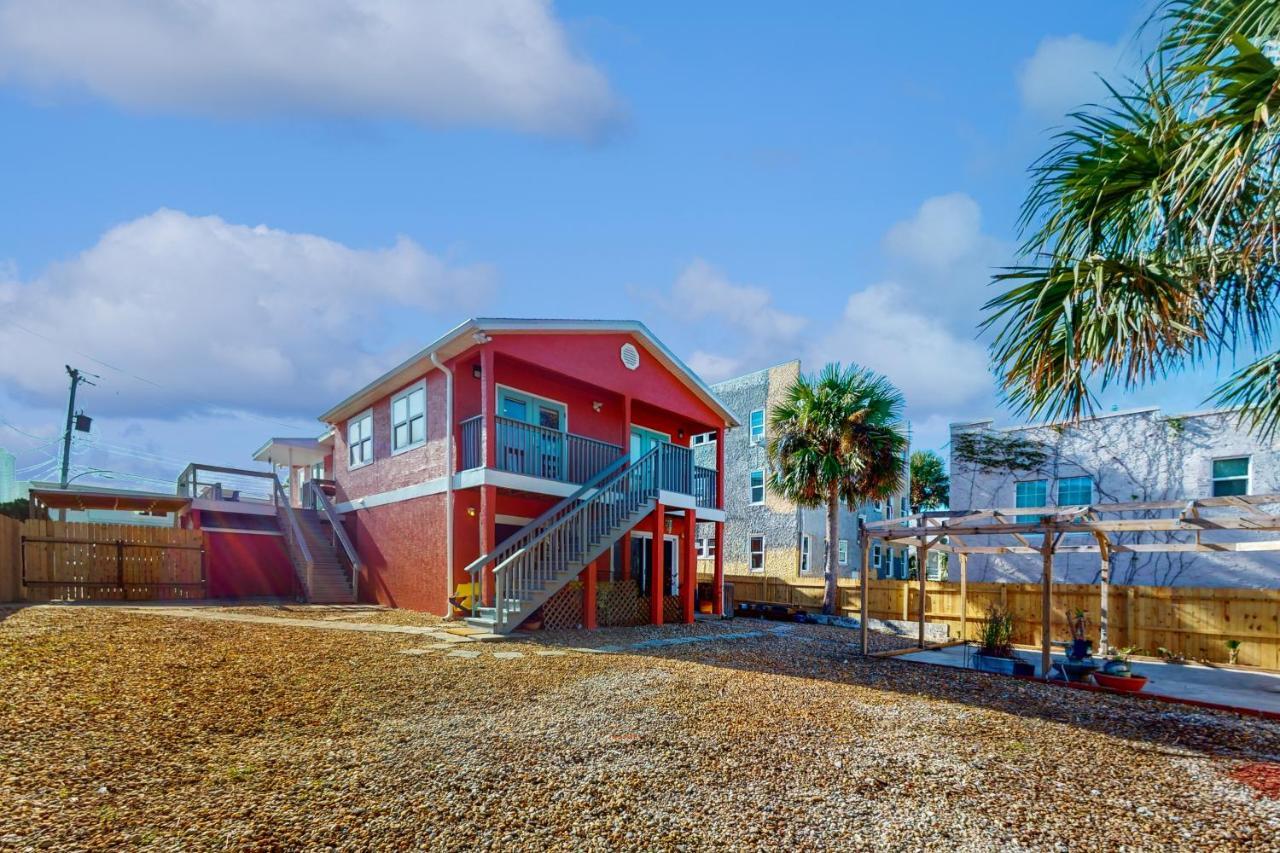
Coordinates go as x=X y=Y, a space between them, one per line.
x=964 y=596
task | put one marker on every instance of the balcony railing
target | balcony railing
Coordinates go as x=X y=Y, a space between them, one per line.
x=553 y=455
x=213 y=482
x=538 y=451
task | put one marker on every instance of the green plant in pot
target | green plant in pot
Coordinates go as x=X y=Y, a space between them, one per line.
x=1118 y=662
x=995 y=645
x=1233 y=651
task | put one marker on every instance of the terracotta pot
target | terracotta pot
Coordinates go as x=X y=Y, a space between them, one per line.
x=1123 y=683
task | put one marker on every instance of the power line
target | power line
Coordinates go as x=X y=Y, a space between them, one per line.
x=147 y=381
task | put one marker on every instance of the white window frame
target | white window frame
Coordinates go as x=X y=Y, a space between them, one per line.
x=706 y=546
x=751 y=553
x=879 y=505
x=806 y=553
x=1248 y=477
x=752 y=438
x=701 y=438
x=751 y=487
x=875 y=555
x=366 y=414
x=843 y=552
x=420 y=385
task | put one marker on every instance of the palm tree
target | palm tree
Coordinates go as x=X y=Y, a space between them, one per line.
x=930 y=485
x=1151 y=226
x=837 y=437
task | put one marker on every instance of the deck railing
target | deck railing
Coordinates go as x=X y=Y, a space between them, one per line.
x=213 y=482
x=537 y=451
x=704 y=487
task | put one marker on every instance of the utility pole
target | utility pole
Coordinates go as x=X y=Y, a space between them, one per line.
x=76 y=378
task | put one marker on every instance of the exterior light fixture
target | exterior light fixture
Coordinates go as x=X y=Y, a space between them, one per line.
x=596 y=405
x=475 y=370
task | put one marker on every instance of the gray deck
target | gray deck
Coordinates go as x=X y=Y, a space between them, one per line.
x=1258 y=691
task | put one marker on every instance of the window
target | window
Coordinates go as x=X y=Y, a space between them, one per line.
x=409 y=419
x=1075 y=491
x=1231 y=477
x=757 y=427
x=844 y=552
x=903 y=509
x=888 y=509
x=702 y=438
x=875 y=555
x=706 y=547
x=360 y=440
x=757 y=487
x=879 y=506
x=756 y=547
x=805 y=553
x=1030 y=493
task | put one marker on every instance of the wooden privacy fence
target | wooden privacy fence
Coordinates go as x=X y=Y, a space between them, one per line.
x=1191 y=621
x=65 y=561
x=10 y=558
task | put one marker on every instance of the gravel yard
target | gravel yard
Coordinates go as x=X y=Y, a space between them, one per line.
x=121 y=728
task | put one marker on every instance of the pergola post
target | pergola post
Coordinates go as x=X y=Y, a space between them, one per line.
x=1104 y=576
x=1046 y=600
x=863 y=581
x=922 y=557
x=964 y=595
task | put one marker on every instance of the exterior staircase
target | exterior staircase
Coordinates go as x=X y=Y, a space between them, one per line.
x=318 y=546
x=554 y=548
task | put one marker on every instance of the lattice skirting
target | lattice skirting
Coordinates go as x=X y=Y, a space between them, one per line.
x=618 y=604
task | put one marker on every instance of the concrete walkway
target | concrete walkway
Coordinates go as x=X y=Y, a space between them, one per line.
x=446 y=635
x=1255 y=691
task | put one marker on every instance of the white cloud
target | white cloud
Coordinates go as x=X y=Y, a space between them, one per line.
x=712 y=367
x=222 y=316
x=945 y=229
x=501 y=63
x=1063 y=74
x=702 y=291
x=884 y=330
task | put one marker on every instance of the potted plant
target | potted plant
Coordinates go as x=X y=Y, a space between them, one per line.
x=1233 y=651
x=995 y=649
x=1117 y=674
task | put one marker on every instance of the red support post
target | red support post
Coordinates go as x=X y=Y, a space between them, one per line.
x=488 y=407
x=717 y=578
x=657 y=569
x=625 y=572
x=588 y=578
x=488 y=537
x=689 y=566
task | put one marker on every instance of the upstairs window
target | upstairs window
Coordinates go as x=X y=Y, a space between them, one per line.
x=757 y=487
x=875 y=555
x=1030 y=493
x=805 y=553
x=756 y=434
x=844 y=552
x=702 y=438
x=360 y=440
x=1075 y=491
x=1231 y=477
x=756 y=549
x=409 y=419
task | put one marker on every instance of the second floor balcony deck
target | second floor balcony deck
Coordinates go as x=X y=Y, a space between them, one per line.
x=551 y=454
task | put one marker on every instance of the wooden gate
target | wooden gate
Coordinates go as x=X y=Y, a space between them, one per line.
x=71 y=561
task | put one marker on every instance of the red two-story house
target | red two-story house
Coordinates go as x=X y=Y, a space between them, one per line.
x=511 y=459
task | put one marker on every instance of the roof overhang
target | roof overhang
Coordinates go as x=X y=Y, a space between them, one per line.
x=52 y=496
x=295 y=451
x=472 y=332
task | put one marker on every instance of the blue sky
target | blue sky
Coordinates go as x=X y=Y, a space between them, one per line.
x=832 y=184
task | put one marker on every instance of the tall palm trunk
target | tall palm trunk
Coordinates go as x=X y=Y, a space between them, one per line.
x=830 y=573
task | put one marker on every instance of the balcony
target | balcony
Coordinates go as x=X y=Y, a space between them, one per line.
x=550 y=454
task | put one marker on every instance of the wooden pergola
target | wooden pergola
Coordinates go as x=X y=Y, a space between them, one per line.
x=1202 y=525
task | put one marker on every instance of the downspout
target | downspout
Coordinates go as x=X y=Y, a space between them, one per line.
x=448 y=482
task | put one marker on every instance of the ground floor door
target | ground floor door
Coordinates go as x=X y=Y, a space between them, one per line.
x=642 y=562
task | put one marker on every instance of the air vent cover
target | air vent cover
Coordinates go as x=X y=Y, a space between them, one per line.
x=630 y=356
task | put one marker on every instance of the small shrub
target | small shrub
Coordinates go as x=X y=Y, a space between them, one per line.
x=997 y=633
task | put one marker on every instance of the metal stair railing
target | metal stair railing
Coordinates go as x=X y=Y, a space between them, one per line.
x=566 y=544
x=533 y=528
x=325 y=506
x=295 y=542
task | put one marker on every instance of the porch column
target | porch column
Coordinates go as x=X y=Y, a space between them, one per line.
x=488 y=408
x=488 y=537
x=626 y=425
x=689 y=569
x=588 y=578
x=657 y=569
x=625 y=571
x=717 y=577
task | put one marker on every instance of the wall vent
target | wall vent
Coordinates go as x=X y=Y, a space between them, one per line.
x=630 y=356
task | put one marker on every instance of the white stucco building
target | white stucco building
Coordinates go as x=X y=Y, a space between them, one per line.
x=1137 y=455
